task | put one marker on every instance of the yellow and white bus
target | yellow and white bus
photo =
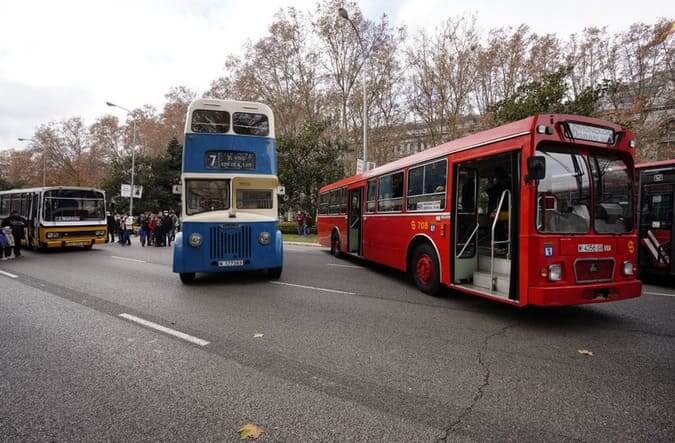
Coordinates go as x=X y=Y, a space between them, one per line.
x=58 y=216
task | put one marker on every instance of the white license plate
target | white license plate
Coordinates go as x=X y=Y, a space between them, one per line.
x=227 y=263
x=77 y=243
x=590 y=248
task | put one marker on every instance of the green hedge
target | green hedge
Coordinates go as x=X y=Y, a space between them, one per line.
x=292 y=228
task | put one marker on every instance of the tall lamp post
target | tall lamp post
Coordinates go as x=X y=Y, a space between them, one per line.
x=44 y=160
x=343 y=13
x=133 y=156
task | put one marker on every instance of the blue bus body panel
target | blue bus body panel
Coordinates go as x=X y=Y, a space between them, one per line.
x=197 y=145
x=227 y=241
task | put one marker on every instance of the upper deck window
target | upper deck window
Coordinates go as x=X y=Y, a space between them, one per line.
x=247 y=123
x=210 y=122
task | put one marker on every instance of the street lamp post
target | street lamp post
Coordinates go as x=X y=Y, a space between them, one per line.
x=133 y=156
x=343 y=13
x=44 y=160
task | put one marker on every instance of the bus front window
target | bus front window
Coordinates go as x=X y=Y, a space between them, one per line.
x=564 y=196
x=613 y=194
x=205 y=195
x=73 y=205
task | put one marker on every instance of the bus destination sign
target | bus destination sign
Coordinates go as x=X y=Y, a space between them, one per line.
x=230 y=160
x=591 y=133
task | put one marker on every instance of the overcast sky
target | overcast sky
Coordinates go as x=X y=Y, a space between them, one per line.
x=61 y=58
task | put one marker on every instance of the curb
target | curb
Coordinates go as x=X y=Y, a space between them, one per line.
x=299 y=243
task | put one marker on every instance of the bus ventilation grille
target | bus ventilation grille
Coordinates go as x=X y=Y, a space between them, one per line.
x=230 y=243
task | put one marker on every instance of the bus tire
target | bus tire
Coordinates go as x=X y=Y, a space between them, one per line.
x=187 y=277
x=275 y=273
x=425 y=269
x=88 y=247
x=335 y=246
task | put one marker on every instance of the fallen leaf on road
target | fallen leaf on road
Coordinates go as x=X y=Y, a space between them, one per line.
x=585 y=352
x=250 y=431
x=257 y=335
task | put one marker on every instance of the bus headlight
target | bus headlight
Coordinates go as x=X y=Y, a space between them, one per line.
x=100 y=233
x=195 y=240
x=554 y=272
x=627 y=268
x=264 y=238
x=53 y=234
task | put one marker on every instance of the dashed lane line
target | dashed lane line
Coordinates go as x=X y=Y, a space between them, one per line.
x=344 y=266
x=334 y=291
x=8 y=274
x=664 y=294
x=164 y=329
x=128 y=259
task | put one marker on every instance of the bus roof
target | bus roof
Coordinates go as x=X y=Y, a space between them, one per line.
x=48 y=188
x=482 y=138
x=656 y=164
x=231 y=106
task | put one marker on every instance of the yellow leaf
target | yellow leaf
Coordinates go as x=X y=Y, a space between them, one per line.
x=585 y=352
x=258 y=335
x=250 y=431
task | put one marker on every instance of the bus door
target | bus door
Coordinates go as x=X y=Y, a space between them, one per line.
x=354 y=220
x=34 y=219
x=486 y=209
x=656 y=224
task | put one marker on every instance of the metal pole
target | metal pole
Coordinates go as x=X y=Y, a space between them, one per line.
x=133 y=167
x=365 y=115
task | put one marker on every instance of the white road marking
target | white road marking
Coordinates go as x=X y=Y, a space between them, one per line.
x=344 y=266
x=335 y=291
x=128 y=259
x=665 y=294
x=9 y=274
x=181 y=335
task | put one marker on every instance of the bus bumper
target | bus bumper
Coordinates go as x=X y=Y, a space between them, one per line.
x=578 y=295
x=71 y=242
x=187 y=259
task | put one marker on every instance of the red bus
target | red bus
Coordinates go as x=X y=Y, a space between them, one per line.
x=534 y=212
x=656 y=192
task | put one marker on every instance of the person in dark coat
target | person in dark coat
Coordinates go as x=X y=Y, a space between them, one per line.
x=110 y=219
x=18 y=224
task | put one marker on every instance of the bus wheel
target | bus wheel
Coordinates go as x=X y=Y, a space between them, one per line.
x=275 y=273
x=89 y=246
x=425 y=269
x=187 y=277
x=335 y=247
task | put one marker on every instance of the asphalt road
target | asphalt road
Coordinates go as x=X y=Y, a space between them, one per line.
x=348 y=352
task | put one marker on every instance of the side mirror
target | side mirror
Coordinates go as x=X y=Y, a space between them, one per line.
x=536 y=168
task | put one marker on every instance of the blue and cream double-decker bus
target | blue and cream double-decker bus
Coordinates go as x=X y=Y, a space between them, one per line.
x=229 y=191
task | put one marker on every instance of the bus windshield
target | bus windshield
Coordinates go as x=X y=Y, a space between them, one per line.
x=613 y=194
x=564 y=195
x=73 y=205
x=205 y=195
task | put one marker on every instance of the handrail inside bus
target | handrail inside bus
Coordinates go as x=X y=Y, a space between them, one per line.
x=492 y=234
x=468 y=241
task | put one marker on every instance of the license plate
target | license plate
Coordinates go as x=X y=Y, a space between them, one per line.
x=592 y=247
x=227 y=263
x=77 y=243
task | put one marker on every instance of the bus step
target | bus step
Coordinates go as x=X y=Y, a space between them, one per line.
x=482 y=280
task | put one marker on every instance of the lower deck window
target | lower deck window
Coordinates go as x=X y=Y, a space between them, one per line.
x=254 y=199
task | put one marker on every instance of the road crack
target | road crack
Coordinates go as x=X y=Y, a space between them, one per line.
x=480 y=390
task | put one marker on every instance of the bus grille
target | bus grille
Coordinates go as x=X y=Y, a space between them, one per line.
x=230 y=243
x=591 y=270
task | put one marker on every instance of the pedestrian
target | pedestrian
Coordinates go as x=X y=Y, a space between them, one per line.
x=8 y=243
x=152 y=226
x=128 y=229
x=119 y=227
x=17 y=224
x=110 y=220
x=143 y=231
x=174 y=225
x=167 y=222
x=300 y=220
x=4 y=243
x=159 y=231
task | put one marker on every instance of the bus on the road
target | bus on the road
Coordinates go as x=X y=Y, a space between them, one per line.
x=59 y=216
x=656 y=192
x=229 y=191
x=535 y=212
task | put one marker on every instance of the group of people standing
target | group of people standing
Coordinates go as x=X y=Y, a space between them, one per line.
x=155 y=228
x=11 y=234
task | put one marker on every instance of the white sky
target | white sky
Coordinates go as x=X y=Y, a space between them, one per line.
x=61 y=58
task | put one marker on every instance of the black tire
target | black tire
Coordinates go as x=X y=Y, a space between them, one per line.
x=335 y=246
x=275 y=273
x=187 y=277
x=88 y=247
x=425 y=270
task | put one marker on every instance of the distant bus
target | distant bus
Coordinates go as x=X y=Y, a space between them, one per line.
x=656 y=188
x=534 y=212
x=58 y=216
x=229 y=191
